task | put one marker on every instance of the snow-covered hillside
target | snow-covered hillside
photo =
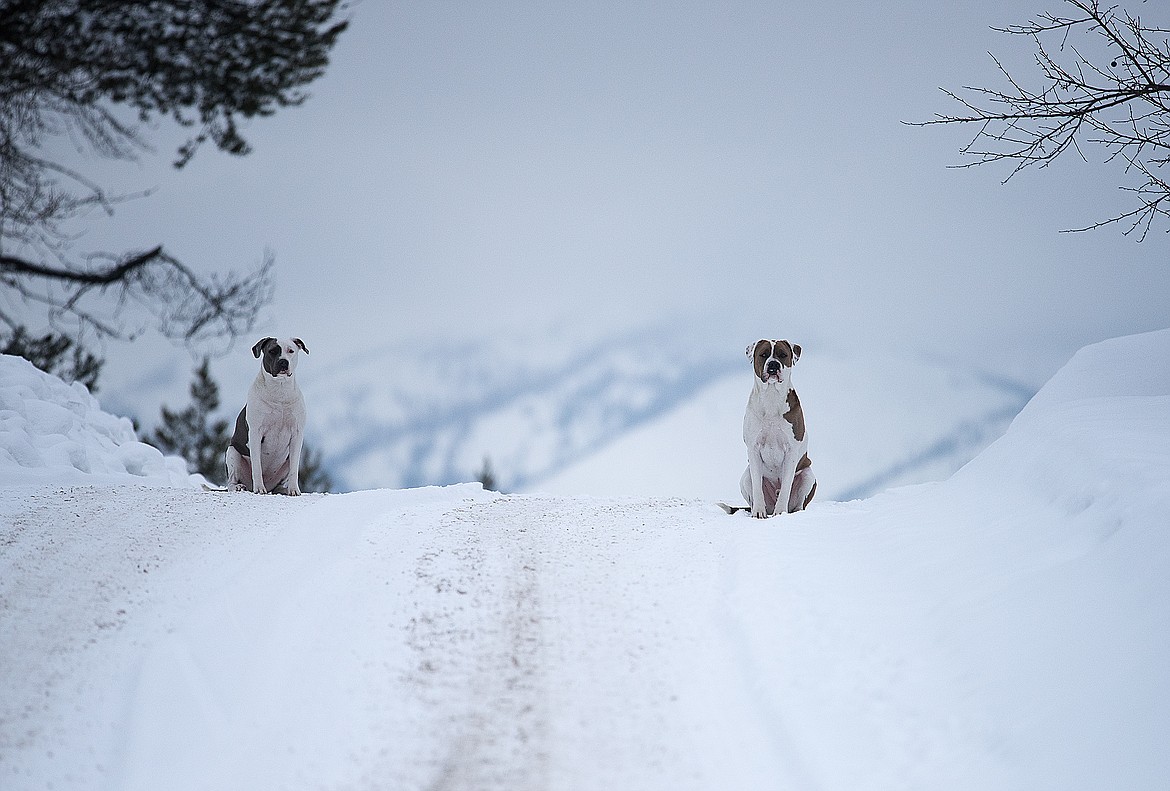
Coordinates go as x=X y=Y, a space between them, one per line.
x=430 y=413
x=1006 y=628
x=641 y=414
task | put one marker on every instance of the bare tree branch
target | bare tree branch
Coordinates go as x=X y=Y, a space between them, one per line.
x=9 y=264
x=1104 y=83
x=183 y=305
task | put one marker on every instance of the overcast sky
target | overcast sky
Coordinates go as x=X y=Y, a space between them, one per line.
x=469 y=166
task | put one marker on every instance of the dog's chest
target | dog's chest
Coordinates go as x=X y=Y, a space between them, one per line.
x=278 y=416
x=279 y=419
x=774 y=440
x=771 y=427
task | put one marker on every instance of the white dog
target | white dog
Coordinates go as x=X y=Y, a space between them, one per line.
x=265 y=452
x=779 y=476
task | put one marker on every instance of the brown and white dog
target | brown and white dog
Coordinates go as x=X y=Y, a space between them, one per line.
x=779 y=476
x=265 y=452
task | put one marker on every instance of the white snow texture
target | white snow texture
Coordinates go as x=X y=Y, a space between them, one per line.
x=52 y=432
x=1007 y=628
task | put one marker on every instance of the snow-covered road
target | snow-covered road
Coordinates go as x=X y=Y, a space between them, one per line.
x=452 y=639
x=434 y=638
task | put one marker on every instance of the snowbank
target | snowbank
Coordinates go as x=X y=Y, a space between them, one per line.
x=51 y=432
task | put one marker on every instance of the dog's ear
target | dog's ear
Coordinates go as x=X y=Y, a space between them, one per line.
x=751 y=349
x=795 y=352
x=258 y=349
x=301 y=343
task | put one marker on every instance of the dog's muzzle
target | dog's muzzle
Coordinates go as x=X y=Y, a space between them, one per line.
x=772 y=370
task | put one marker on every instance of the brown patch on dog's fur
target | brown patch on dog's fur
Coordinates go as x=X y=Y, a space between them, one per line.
x=760 y=356
x=795 y=416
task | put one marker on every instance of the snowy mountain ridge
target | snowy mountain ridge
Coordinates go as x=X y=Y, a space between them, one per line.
x=546 y=412
x=430 y=413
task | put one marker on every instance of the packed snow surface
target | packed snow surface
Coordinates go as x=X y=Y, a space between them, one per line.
x=1008 y=628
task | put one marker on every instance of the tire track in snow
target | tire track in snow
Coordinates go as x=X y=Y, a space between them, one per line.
x=583 y=644
x=478 y=649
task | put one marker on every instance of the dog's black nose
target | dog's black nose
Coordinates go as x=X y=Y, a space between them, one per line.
x=773 y=366
x=282 y=365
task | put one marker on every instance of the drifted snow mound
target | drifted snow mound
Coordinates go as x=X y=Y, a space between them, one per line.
x=52 y=432
x=1092 y=443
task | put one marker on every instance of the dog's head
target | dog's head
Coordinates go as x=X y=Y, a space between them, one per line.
x=279 y=356
x=773 y=360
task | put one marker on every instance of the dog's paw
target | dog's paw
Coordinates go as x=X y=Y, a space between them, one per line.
x=759 y=513
x=294 y=492
x=238 y=487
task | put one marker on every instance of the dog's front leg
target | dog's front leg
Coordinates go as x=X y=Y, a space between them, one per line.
x=756 y=470
x=255 y=438
x=787 y=473
x=293 y=486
